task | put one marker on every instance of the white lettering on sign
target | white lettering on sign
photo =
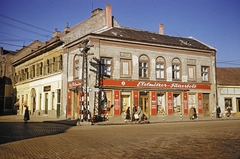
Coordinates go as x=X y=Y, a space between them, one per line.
x=175 y=85
x=164 y=85
x=148 y=84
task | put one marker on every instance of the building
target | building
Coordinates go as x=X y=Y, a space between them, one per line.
x=161 y=74
x=228 y=88
x=38 y=77
x=100 y=66
x=7 y=97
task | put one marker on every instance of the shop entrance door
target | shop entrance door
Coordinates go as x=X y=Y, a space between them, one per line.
x=144 y=104
x=238 y=105
x=205 y=102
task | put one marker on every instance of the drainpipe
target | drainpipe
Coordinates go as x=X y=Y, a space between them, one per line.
x=215 y=64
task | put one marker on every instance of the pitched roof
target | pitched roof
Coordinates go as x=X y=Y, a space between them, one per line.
x=151 y=37
x=228 y=76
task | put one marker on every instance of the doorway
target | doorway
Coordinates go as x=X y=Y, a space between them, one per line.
x=238 y=105
x=46 y=103
x=33 y=101
x=205 y=102
x=177 y=108
x=144 y=103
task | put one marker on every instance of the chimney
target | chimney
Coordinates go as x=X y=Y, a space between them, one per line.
x=109 y=15
x=161 y=29
x=56 y=33
x=67 y=29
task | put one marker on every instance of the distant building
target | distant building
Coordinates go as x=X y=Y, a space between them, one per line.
x=7 y=95
x=162 y=74
x=228 y=85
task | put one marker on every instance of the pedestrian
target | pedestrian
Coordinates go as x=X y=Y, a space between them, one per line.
x=133 y=112
x=191 y=113
x=194 y=113
x=229 y=111
x=218 y=112
x=139 y=112
x=26 y=115
x=128 y=114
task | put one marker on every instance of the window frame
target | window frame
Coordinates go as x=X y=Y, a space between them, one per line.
x=143 y=66
x=160 y=70
x=193 y=67
x=105 y=68
x=176 y=62
x=205 y=72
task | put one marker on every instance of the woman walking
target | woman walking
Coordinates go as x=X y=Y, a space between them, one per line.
x=26 y=115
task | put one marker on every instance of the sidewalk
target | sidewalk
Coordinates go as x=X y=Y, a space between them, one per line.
x=114 y=120
x=167 y=119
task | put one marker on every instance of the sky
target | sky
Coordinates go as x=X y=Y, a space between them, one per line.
x=213 y=22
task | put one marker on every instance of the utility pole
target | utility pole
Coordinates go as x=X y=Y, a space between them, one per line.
x=85 y=108
x=96 y=65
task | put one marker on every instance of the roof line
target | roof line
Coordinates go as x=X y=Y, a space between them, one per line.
x=190 y=37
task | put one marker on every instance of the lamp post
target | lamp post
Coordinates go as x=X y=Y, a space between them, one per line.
x=85 y=108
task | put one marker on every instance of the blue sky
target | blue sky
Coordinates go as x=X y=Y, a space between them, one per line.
x=214 y=22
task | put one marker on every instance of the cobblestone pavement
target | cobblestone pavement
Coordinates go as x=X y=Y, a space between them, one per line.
x=56 y=140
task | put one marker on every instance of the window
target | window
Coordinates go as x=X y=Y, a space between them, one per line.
x=106 y=67
x=58 y=63
x=191 y=72
x=46 y=67
x=55 y=68
x=22 y=75
x=40 y=69
x=228 y=103
x=205 y=73
x=58 y=96
x=126 y=64
x=26 y=73
x=160 y=68
x=76 y=67
x=51 y=66
x=143 y=66
x=176 y=70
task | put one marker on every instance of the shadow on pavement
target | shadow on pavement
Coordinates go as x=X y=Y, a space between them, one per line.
x=15 y=131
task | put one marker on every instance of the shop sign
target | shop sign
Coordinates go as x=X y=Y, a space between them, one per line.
x=74 y=84
x=200 y=103
x=142 y=84
x=154 y=111
x=185 y=102
x=170 y=103
x=116 y=102
x=46 y=88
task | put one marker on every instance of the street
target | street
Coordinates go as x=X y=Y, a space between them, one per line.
x=49 y=140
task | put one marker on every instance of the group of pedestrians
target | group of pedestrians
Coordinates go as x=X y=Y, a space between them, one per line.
x=193 y=112
x=137 y=114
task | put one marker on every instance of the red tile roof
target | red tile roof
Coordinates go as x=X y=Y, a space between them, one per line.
x=228 y=76
x=151 y=37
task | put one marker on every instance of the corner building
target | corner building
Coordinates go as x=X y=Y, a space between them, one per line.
x=162 y=74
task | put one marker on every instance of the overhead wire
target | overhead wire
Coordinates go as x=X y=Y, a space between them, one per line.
x=36 y=27
x=16 y=36
x=23 y=29
x=27 y=30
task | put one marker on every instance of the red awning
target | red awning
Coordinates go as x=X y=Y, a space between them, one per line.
x=25 y=103
x=16 y=104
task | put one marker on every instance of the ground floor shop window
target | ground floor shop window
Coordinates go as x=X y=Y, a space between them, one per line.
x=192 y=101
x=106 y=102
x=176 y=103
x=228 y=103
x=125 y=99
x=160 y=103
